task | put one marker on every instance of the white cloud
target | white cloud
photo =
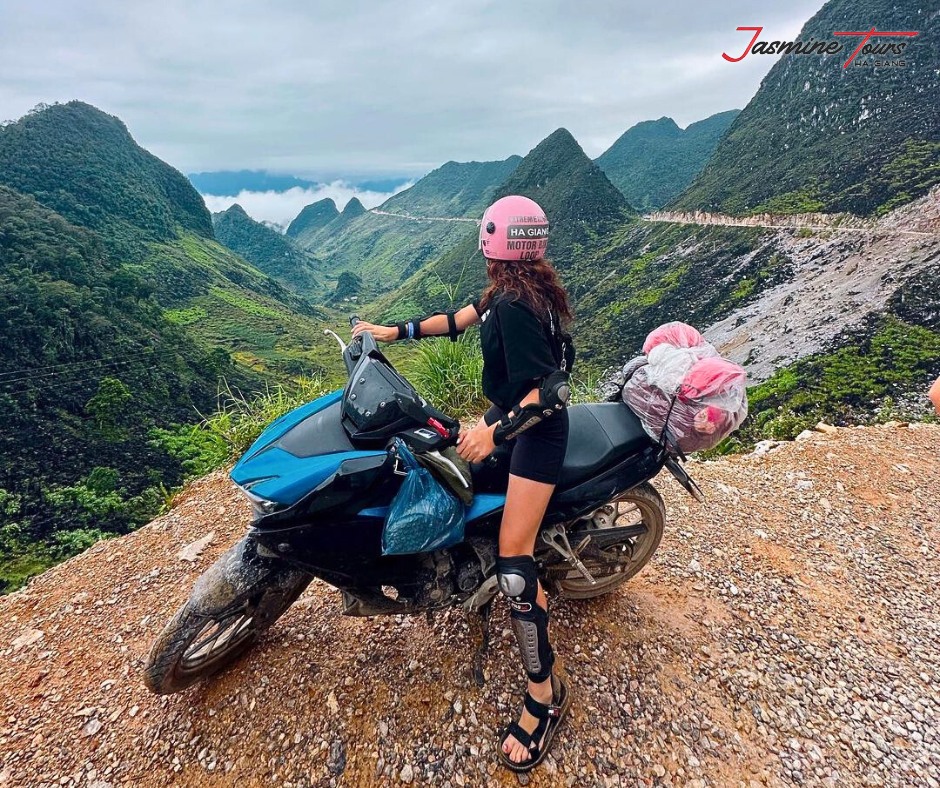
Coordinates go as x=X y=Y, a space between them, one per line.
x=280 y=208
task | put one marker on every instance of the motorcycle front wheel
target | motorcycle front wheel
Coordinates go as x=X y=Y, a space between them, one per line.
x=616 y=562
x=221 y=620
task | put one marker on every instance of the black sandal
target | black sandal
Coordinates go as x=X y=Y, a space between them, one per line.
x=539 y=741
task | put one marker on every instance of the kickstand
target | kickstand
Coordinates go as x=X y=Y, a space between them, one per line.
x=481 y=623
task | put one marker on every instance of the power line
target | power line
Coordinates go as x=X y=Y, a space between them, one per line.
x=66 y=364
x=87 y=368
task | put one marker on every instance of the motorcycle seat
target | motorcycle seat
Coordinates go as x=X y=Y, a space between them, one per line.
x=599 y=436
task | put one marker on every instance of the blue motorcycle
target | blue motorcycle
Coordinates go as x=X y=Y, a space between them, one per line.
x=321 y=478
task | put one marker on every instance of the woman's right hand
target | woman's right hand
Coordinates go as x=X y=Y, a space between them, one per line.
x=381 y=333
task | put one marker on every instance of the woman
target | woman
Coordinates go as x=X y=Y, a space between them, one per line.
x=526 y=361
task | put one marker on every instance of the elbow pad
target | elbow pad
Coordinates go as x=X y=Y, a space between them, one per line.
x=554 y=393
x=412 y=329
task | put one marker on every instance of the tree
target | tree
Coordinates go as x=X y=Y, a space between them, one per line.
x=108 y=405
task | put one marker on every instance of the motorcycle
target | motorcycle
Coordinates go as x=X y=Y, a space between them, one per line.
x=320 y=481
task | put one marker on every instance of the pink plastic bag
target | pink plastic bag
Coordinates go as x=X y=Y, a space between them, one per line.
x=676 y=334
x=687 y=395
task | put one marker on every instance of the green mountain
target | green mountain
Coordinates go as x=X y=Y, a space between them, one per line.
x=584 y=208
x=818 y=136
x=353 y=209
x=91 y=367
x=384 y=247
x=119 y=315
x=84 y=165
x=79 y=161
x=312 y=218
x=653 y=161
x=455 y=189
x=267 y=249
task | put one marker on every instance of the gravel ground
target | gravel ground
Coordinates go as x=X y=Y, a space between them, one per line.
x=786 y=633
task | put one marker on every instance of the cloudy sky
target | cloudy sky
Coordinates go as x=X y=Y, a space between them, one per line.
x=333 y=89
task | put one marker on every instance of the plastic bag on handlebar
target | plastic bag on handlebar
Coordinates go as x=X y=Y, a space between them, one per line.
x=423 y=515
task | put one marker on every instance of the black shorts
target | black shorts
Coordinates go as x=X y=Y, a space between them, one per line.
x=539 y=452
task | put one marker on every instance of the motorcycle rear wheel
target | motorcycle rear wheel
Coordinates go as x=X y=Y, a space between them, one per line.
x=219 y=622
x=622 y=560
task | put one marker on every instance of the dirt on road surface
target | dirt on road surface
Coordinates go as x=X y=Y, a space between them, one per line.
x=786 y=633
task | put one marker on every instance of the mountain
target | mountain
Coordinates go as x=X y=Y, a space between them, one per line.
x=312 y=218
x=267 y=249
x=820 y=137
x=653 y=161
x=386 y=245
x=84 y=165
x=91 y=367
x=233 y=183
x=455 y=189
x=585 y=210
x=353 y=209
x=227 y=183
x=120 y=314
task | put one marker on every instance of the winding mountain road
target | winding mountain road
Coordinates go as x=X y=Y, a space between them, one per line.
x=815 y=222
x=818 y=222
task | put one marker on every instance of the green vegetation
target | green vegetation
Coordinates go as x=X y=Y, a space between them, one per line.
x=385 y=250
x=861 y=139
x=653 y=161
x=864 y=380
x=804 y=200
x=312 y=218
x=119 y=315
x=239 y=420
x=585 y=210
x=450 y=374
x=267 y=249
x=95 y=176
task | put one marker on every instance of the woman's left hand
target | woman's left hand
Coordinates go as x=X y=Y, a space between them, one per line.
x=477 y=444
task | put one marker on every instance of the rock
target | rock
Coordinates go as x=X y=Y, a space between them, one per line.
x=332 y=704
x=695 y=566
x=658 y=769
x=806 y=435
x=28 y=638
x=828 y=429
x=193 y=550
x=91 y=727
x=804 y=484
x=765 y=447
x=336 y=763
x=407 y=773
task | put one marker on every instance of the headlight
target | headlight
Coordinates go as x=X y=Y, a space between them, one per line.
x=260 y=506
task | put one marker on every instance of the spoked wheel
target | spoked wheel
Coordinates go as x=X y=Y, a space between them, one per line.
x=217 y=641
x=612 y=563
x=220 y=621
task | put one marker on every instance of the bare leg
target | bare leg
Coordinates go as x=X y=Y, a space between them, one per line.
x=526 y=501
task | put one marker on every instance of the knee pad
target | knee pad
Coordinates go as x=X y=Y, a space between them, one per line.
x=519 y=580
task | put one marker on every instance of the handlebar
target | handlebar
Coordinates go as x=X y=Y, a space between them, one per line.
x=353 y=319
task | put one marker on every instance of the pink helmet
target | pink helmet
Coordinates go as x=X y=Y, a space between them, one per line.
x=514 y=228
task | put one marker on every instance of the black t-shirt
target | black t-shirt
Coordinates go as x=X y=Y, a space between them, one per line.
x=517 y=350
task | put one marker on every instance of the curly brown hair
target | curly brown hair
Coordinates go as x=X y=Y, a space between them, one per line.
x=535 y=282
